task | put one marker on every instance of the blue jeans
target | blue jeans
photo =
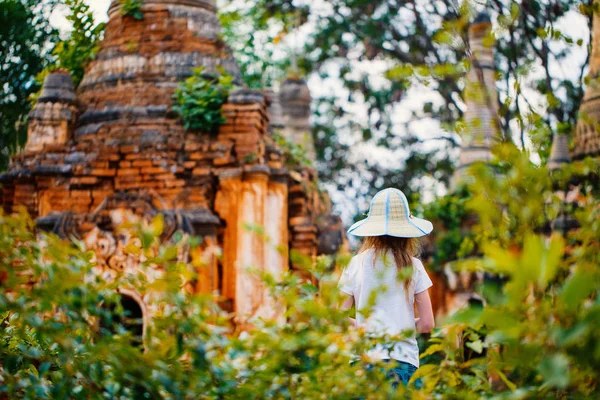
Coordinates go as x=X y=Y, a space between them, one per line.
x=400 y=372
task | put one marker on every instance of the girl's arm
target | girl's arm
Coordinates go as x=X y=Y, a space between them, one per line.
x=347 y=304
x=425 y=323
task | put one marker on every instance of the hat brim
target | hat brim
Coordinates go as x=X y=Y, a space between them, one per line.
x=414 y=227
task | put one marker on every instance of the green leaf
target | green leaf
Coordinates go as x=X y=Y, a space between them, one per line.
x=555 y=370
x=476 y=346
x=578 y=287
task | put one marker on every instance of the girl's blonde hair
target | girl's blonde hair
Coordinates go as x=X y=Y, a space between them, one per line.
x=402 y=249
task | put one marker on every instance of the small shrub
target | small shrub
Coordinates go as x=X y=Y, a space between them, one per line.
x=199 y=98
x=449 y=214
x=294 y=154
x=132 y=8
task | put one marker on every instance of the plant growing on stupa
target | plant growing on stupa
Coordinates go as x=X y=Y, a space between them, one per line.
x=75 y=53
x=199 y=98
x=132 y=8
x=294 y=154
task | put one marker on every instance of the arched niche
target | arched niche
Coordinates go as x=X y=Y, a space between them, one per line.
x=134 y=317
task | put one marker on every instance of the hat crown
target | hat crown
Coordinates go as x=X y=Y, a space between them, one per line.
x=391 y=204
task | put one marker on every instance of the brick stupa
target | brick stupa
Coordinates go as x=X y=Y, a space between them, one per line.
x=482 y=127
x=114 y=151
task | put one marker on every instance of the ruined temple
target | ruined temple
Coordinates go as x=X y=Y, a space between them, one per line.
x=113 y=151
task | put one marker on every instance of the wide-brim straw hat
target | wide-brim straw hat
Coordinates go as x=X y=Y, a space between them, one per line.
x=389 y=215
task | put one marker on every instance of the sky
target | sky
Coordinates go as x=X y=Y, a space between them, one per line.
x=573 y=24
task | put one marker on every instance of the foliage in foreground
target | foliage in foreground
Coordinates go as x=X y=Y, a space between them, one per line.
x=535 y=337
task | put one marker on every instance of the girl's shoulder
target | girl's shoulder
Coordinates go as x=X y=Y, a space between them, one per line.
x=363 y=255
x=417 y=263
x=359 y=258
x=418 y=266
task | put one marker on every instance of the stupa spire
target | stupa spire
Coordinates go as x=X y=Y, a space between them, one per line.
x=481 y=116
x=559 y=154
x=295 y=99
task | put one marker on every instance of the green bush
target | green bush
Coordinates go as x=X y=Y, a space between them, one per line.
x=536 y=336
x=449 y=215
x=294 y=154
x=536 y=331
x=55 y=344
x=199 y=98
x=132 y=8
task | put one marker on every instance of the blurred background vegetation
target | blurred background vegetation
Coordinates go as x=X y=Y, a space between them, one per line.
x=380 y=55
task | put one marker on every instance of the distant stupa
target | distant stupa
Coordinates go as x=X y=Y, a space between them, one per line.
x=482 y=129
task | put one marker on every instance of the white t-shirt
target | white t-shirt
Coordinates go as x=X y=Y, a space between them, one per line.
x=393 y=311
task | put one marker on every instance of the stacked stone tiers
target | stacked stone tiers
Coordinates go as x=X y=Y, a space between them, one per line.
x=482 y=129
x=140 y=64
x=303 y=209
x=161 y=157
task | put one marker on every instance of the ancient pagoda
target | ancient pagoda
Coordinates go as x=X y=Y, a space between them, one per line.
x=482 y=127
x=113 y=151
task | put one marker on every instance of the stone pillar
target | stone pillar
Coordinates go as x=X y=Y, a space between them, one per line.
x=302 y=217
x=481 y=117
x=587 y=136
x=295 y=101
x=227 y=205
x=251 y=243
x=246 y=124
x=276 y=257
x=52 y=120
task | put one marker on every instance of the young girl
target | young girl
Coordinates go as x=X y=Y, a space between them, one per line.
x=387 y=268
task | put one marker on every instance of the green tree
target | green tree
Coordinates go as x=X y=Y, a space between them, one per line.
x=83 y=42
x=25 y=36
x=423 y=45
